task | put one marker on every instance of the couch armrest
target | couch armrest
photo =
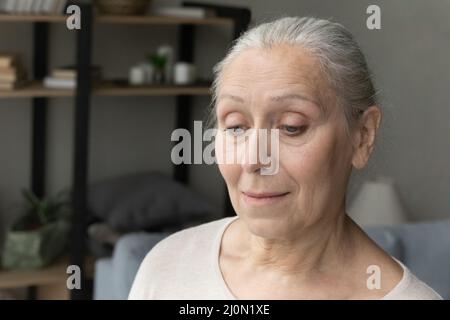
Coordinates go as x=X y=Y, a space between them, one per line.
x=128 y=254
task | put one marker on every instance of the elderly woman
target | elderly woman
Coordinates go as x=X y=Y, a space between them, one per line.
x=291 y=238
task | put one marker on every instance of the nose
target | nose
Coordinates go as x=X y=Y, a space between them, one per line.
x=256 y=153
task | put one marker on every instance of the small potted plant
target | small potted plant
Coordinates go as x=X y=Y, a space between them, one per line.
x=159 y=64
x=39 y=235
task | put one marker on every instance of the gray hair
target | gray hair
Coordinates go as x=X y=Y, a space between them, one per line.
x=339 y=56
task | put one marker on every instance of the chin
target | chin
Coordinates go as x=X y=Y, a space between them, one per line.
x=270 y=226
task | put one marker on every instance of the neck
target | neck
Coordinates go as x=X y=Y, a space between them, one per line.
x=322 y=247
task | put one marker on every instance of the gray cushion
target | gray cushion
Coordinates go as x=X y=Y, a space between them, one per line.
x=129 y=252
x=424 y=247
x=145 y=201
x=427 y=252
x=104 y=281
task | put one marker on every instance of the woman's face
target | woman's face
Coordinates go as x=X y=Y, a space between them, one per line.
x=283 y=88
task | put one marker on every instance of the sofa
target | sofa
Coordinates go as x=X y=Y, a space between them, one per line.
x=424 y=247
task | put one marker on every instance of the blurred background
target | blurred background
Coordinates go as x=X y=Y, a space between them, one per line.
x=136 y=103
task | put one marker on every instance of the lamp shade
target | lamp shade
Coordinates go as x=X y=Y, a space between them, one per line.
x=377 y=203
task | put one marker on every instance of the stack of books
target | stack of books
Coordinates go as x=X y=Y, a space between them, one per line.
x=66 y=77
x=12 y=73
x=33 y=6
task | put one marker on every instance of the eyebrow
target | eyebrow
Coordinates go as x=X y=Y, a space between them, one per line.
x=291 y=96
x=278 y=98
x=231 y=97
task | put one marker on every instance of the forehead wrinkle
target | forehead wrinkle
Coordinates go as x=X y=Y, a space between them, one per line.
x=295 y=96
x=308 y=76
x=231 y=97
x=278 y=98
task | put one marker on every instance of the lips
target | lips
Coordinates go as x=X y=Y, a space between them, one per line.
x=262 y=195
x=263 y=198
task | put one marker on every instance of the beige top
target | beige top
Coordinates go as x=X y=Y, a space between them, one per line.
x=185 y=266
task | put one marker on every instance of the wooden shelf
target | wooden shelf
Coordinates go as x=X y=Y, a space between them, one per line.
x=162 y=20
x=112 y=19
x=54 y=273
x=117 y=89
x=31 y=18
x=37 y=90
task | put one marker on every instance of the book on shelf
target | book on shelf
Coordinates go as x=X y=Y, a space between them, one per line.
x=66 y=77
x=12 y=73
x=7 y=85
x=57 y=83
x=70 y=72
x=184 y=12
x=33 y=6
x=8 y=60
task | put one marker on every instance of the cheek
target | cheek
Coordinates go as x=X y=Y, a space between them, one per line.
x=311 y=161
x=226 y=160
x=230 y=173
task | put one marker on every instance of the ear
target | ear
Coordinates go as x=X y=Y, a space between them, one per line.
x=364 y=136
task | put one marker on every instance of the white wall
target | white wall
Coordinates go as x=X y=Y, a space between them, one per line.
x=410 y=57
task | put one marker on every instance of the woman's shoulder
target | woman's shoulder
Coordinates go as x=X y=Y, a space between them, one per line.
x=178 y=262
x=195 y=239
x=412 y=288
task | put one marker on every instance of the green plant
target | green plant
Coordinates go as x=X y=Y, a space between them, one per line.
x=40 y=235
x=40 y=212
x=157 y=60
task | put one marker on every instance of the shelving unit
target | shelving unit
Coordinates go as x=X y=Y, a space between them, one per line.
x=236 y=18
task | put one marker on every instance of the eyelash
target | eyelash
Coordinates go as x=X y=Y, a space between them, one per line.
x=231 y=129
x=300 y=129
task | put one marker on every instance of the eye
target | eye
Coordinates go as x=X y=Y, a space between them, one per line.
x=235 y=130
x=294 y=130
